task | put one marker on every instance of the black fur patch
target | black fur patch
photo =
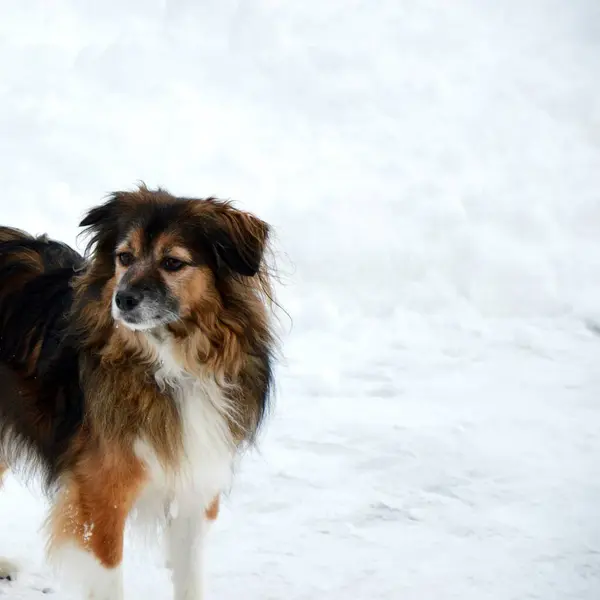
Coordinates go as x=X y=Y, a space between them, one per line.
x=41 y=402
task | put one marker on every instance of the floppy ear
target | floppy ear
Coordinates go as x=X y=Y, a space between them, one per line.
x=238 y=240
x=102 y=225
x=101 y=214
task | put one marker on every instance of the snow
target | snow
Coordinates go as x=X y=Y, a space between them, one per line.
x=431 y=169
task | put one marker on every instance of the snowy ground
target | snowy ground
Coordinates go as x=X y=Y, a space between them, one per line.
x=432 y=169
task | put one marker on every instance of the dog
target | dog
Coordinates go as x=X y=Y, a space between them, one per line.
x=132 y=378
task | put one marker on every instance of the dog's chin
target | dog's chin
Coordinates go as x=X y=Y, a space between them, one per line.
x=139 y=323
x=147 y=325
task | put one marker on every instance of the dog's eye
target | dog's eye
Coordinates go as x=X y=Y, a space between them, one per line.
x=125 y=258
x=172 y=264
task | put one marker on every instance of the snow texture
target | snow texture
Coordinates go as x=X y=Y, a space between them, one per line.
x=432 y=169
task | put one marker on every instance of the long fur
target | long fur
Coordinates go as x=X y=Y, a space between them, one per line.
x=84 y=398
x=41 y=401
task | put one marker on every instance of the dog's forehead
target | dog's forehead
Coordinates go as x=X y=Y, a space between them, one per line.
x=144 y=242
x=152 y=227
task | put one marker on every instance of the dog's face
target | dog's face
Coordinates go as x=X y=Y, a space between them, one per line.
x=165 y=256
x=158 y=278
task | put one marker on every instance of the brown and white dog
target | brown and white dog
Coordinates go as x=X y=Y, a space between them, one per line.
x=132 y=378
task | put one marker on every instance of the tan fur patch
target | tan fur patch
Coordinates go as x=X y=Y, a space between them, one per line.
x=170 y=244
x=178 y=252
x=194 y=287
x=94 y=504
x=136 y=241
x=212 y=512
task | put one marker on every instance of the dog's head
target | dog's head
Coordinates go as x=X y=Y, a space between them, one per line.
x=165 y=256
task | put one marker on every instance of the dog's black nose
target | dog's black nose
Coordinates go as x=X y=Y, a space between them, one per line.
x=128 y=300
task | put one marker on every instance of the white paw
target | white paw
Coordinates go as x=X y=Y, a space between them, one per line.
x=8 y=570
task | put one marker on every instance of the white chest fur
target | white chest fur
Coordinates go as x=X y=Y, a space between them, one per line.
x=208 y=447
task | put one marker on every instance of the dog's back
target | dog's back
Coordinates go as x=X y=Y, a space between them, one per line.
x=40 y=400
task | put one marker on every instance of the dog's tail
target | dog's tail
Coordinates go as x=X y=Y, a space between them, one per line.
x=35 y=275
x=40 y=403
x=9 y=234
x=40 y=253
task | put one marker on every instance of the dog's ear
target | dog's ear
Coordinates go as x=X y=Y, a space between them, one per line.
x=238 y=240
x=102 y=225
x=103 y=214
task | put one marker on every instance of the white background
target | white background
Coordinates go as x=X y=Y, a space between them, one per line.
x=432 y=171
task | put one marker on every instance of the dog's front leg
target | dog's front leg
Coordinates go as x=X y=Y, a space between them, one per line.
x=185 y=548
x=87 y=523
x=186 y=531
